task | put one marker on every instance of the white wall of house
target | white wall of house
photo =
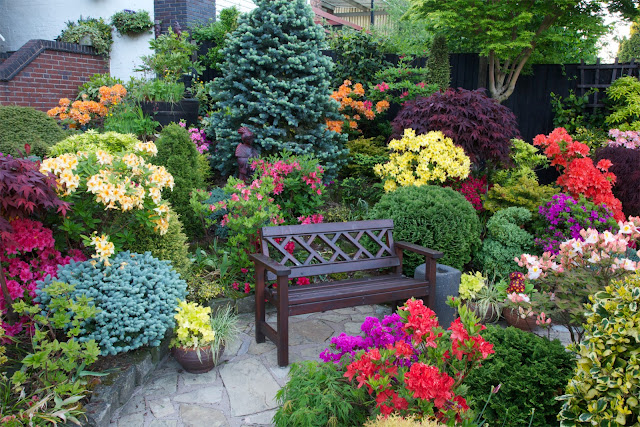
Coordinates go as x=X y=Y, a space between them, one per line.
x=21 y=21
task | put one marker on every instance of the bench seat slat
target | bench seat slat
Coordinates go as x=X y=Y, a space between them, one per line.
x=341 y=267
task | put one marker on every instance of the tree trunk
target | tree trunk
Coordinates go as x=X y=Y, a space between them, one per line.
x=502 y=81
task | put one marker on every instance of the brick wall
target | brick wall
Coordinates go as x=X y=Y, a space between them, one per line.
x=186 y=12
x=42 y=72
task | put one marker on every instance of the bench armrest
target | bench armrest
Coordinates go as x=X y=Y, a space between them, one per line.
x=419 y=249
x=271 y=265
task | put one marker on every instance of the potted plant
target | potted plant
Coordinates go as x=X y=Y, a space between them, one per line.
x=480 y=297
x=130 y=22
x=193 y=345
x=518 y=310
x=164 y=101
x=224 y=323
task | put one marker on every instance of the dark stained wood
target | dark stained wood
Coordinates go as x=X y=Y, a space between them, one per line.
x=320 y=249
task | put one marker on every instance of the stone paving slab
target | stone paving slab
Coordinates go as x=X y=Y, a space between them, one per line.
x=241 y=390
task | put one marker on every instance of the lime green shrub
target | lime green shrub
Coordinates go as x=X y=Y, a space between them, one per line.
x=364 y=154
x=605 y=386
x=26 y=125
x=92 y=141
x=524 y=192
x=178 y=154
x=436 y=217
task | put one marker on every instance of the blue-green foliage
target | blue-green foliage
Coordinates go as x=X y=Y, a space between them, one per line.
x=276 y=82
x=137 y=296
x=506 y=240
x=216 y=195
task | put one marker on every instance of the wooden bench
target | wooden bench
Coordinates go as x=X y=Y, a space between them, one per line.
x=322 y=249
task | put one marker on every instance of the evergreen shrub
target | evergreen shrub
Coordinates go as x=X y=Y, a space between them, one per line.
x=605 y=386
x=436 y=217
x=137 y=296
x=524 y=191
x=438 y=65
x=475 y=122
x=532 y=372
x=178 y=154
x=506 y=240
x=364 y=154
x=26 y=125
x=278 y=88
x=358 y=56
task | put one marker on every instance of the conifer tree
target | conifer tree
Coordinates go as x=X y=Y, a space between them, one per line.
x=438 y=63
x=276 y=83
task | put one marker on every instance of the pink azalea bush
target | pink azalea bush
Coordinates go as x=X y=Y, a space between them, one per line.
x=199 y=138
x=28 y=256
x=582 y=267
x=629 y=139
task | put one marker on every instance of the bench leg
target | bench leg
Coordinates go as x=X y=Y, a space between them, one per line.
x=260 y=309
x=283 y=322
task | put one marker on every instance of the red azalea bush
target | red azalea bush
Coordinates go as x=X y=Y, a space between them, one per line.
x=28 y=255
x=423 y=372
x=473 y=189
x=477 y=123
x=578 y=173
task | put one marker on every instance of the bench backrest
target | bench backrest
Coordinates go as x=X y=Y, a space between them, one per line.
x=331 y=247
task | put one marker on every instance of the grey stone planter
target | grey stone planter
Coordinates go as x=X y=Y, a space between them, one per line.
x=447 y=284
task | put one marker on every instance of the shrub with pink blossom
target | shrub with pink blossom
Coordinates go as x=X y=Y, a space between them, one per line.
x=28 y=255
x=298 y=188
x=582 y=267
x=628 y=139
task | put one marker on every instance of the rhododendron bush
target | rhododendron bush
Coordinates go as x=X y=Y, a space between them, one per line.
x=578 y=173
x=354 y=107
x=110 y=194
x=582 y=267
x=410 y=365
x=28 y=255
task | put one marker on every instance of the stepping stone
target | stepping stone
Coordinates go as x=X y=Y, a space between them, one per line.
x=164 y=385
x=164 y=423
x=250 y=386
x=135 y=404
x=211 y=395
x=131 y=420
x=335 y=318
x=198 y=416
x=262 y=348
x=199 y=379
x=353 y=328
x=313 y=331
x=261 y=418
x=161 y=407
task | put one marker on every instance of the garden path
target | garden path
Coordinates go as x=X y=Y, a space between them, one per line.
x=241 y=390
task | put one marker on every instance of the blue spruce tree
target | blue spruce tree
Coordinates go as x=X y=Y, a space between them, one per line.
x=276 y=83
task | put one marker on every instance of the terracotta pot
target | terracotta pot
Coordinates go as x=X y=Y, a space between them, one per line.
x=490 y=316
x=513 y=319
x=193 y=363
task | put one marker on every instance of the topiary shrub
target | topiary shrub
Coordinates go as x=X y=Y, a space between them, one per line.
x=605 y=386
x=477 y=123
x=279 y=89
x=137 y=295
x=91 y=141
x=435 y=217
x=506 y=240
x=339 y=404
x=172 y=246
x=532 y=371
x=178 y=154
x=626 y=168
x=26 y=125
x=438 y=65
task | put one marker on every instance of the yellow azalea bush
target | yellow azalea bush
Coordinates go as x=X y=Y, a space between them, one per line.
x=194 y=326
x=112 y=194
x=421 y=160
x=81 y=112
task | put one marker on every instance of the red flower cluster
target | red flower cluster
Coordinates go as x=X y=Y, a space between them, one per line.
x=472 y=189
x=516 y=283
x=421 y=322
x=475 y=347
x=427 y=382
x=579 y=174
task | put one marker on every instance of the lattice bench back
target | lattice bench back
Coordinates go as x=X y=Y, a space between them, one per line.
x=332 y=247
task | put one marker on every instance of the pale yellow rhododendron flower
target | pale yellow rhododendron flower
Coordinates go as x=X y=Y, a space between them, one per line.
x=422 y=160
x=104 y=158
x=146 y=147
x=104 y=248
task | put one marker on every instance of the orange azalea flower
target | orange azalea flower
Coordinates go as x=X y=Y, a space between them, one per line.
x=382 y=106
x=64 y=102
x=358 y=89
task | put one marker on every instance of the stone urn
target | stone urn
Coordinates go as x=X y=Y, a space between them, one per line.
x=197 y=361
x=490 y=315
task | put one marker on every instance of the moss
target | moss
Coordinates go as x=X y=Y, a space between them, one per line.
x=26 y=125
